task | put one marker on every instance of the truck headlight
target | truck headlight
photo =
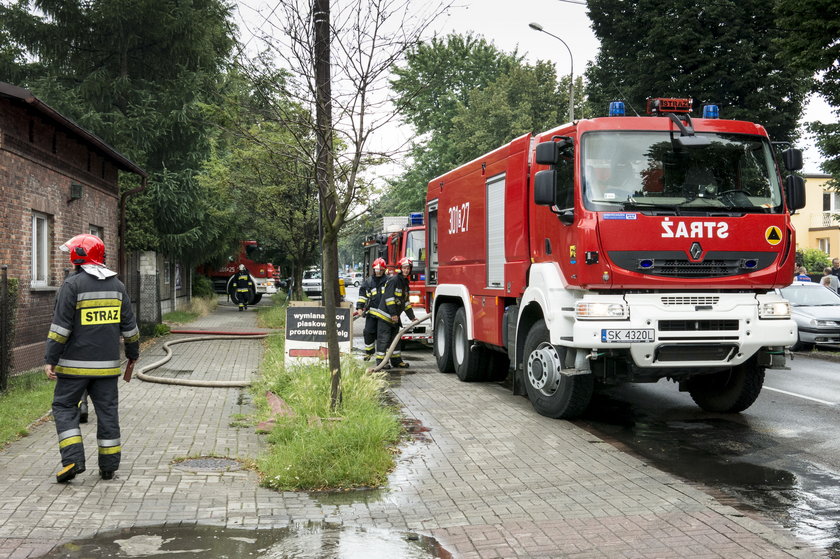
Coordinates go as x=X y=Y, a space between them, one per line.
x=414 y=299
x=592 y=311
x=775 y=309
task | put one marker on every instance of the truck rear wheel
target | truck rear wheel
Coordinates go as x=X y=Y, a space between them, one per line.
x=444 y=317
x=728 y=391
x=552 y=393
x=467 y=362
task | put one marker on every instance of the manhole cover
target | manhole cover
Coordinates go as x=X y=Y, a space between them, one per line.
x=209 y=464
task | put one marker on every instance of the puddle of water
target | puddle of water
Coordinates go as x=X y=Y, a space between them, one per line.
x=304 y=541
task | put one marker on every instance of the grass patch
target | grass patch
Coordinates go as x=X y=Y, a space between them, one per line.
x=274 y=315
x=318 y=448
x=28 y=398
x=196 y=308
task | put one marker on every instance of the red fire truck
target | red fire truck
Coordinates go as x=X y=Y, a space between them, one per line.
x=617 y=249
x=263 y=273
x=401 y=237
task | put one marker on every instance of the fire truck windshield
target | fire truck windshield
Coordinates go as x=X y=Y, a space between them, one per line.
x=647 y=172
x=415 y=243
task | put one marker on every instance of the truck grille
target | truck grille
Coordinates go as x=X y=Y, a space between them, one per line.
x=690 y=300
x=697 y=325
x=696 y=352
x=676 y=264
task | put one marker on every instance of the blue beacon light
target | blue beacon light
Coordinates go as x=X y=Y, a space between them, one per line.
x=711 y=111
x=617 y=108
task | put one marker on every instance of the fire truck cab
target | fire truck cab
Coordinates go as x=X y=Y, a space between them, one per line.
x=617 y=249
x=401 y=237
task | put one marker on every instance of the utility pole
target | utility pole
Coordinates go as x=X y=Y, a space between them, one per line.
x=326 y=187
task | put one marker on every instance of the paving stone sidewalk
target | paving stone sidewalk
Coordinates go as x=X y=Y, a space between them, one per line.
x=490 y=478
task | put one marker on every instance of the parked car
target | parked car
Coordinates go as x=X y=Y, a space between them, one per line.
x=311 y=284
x=354 y=278
x=816 y=310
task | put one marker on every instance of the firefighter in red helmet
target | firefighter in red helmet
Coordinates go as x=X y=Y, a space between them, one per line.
x=370 y=294
x=242 y=288
x=393 y=303
x=92 y=312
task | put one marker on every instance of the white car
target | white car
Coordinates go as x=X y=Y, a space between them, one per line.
x=354 y=278
x=312 y=283
x=816 y=310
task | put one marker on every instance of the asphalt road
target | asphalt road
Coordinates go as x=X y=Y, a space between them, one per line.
x=781 y=456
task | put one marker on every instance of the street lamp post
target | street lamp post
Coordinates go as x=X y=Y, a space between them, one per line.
x=538 y=27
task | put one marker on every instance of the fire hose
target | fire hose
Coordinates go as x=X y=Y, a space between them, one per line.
x=167 y=346
x=397 y=340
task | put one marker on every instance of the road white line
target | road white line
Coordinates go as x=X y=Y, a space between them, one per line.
x=800 y=396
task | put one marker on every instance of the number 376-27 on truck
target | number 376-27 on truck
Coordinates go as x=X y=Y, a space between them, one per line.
x=617 y=249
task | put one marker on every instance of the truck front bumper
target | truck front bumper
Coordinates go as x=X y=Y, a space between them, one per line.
x=685 y=330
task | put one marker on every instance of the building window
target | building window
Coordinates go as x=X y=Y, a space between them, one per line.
x=166 y=272
x=825 y=245
x=98 y=231
x=40 y=249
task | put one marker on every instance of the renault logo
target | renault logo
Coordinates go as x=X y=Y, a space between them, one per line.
x=696 y=250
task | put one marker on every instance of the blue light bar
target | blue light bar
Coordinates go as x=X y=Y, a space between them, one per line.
x=711 y=111
x=415 y=218
x=617 y=108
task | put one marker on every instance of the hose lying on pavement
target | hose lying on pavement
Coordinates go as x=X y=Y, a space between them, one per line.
x=397 y=340
x=185 y=382
x=141 y=373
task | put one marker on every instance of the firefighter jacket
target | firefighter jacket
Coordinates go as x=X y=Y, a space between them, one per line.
x=394 y=300
x=242 y=282
x=89 y=318
x=370 y=292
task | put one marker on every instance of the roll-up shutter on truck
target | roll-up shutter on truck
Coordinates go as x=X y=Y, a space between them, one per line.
x=496 y=232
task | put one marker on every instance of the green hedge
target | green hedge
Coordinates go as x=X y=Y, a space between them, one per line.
x=9 y=316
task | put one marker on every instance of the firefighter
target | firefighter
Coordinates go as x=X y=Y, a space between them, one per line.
x=243 y=288
x=92 y=311
x=370 y=293
x=394 y=302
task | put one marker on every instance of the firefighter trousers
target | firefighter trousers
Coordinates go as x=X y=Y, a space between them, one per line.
x=104 y=394
x=385 y=333
x=369 y=333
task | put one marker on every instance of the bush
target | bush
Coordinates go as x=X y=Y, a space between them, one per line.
x=813 y=259
x=202 y=287
x=10 y=314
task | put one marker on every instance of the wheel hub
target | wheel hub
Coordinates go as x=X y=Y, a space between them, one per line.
x=544 y=366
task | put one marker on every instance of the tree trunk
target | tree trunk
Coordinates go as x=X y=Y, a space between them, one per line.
x=325 y=180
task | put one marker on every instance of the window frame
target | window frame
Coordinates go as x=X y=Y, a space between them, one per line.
x=40 y=251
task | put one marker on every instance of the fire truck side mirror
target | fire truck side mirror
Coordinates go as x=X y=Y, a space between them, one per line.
x=548 y=153
x=792 y=158
x=795 y=192
x=545 y=187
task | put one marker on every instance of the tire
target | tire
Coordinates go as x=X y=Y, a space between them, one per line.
x=444 y=316
x=729 y=391
x=552 y=394
x=356 y=284
x=467 y=361
x=257 y=298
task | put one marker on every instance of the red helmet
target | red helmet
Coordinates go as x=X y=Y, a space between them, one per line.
x=379 y=263
x=85 y=249
x=405 y=261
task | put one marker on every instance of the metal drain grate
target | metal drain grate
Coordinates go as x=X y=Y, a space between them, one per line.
x=209 y=464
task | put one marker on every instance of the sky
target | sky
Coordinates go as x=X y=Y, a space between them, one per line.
x=505 y=23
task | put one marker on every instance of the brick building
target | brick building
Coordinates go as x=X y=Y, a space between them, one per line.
x=57 y=180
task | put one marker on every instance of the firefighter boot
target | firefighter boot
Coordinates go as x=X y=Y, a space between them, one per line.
x=106 y=474
x=68 y=472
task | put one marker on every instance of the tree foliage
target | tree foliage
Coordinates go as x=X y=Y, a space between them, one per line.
x=135 y=73
x=811 y=44
x=724 y=52
x=465 y=97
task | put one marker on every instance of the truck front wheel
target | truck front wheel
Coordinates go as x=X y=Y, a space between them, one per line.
x=552 y=393
x=728 y=391
x=444 y=316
